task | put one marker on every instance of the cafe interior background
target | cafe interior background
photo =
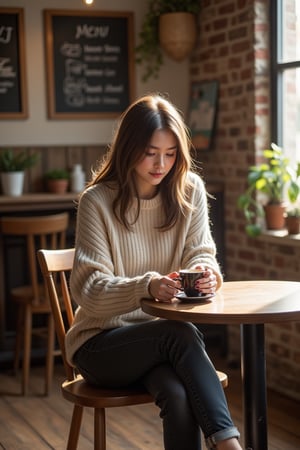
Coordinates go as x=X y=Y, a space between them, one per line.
x=232 y=52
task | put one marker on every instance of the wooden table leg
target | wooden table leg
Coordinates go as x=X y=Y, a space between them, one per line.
x=253 y=366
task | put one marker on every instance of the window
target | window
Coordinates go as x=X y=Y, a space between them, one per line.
x=285 y=76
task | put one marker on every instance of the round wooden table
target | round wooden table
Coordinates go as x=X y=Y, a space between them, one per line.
x=250 y=304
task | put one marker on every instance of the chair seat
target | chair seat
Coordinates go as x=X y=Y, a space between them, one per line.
x=24 y=295
x=21 y=295
x=81 y=393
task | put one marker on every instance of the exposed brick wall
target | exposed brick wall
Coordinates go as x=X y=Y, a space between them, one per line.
x=233 y=48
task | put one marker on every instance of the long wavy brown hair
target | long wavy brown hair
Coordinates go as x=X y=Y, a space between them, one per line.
x=133 y=134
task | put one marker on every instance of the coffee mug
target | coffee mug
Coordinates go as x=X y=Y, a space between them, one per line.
x=188 y=277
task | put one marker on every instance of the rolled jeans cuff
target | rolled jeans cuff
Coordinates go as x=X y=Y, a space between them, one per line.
x=228 y=433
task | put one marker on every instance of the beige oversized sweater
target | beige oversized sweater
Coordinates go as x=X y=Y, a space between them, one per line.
x=113 y=266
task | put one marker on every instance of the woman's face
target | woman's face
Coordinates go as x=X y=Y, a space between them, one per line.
x=156 y=163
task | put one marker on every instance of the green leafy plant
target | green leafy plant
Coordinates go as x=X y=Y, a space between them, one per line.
x=273 y=178
x=16 y=162
x=57 y=174
x=149 y=52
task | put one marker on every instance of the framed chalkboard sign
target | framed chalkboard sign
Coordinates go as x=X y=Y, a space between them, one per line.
x=90 y=63
x=13 y=95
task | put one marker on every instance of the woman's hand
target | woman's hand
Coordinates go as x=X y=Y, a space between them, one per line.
x=164 y=288
x=207 y=284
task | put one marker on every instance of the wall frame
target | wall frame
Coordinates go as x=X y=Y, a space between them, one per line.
x=89 y=62
x=13 y=93
x=202 y=113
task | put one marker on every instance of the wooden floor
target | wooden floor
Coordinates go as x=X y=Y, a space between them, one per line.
x=37 y=422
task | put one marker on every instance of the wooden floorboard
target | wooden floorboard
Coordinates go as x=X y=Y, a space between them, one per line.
x=43 y=422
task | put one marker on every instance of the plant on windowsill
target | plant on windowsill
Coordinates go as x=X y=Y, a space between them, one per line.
x=177 y=39
x=292 y=221
x=57 y=181
x=292 y=214
x=273 y=180
x=12 y=169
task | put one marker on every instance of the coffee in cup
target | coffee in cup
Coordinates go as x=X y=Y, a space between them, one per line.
x=188 y=277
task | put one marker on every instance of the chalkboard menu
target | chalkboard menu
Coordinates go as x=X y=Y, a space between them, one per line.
x=13 y=99
x=90 y=63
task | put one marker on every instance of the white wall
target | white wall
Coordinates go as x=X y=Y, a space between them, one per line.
x=37 y=129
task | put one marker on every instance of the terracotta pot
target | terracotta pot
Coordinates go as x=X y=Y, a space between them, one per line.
x=292 y=224
x=274 y=215
x=57 y=186
x=177 y=34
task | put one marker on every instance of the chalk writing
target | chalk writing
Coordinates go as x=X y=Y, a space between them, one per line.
x=12 y=100
x=91 y=63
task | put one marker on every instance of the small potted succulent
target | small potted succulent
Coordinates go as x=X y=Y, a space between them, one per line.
x=292 y=215
x=57 y=180
x=12 y=170
x=292 y=220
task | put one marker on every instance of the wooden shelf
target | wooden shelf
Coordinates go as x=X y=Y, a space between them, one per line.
x=37 y=201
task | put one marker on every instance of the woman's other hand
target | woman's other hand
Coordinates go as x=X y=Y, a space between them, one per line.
x=164 y=288
x=207 y=284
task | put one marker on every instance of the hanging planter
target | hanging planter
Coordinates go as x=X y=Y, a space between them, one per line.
x=158 y=37
x=177 y=34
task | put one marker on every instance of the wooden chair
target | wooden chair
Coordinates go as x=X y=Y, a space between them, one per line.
x=55 y=266
x=47 y=231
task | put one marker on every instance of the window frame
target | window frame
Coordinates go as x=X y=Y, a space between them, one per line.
x=277 y=70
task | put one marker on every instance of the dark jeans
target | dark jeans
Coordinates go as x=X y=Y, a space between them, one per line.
x=169 y=358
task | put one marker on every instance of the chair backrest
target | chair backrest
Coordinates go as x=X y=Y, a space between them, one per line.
x=47 y=231
x=56 y=266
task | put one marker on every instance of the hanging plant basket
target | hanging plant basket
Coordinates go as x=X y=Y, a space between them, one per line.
x=177 y=34
x=159 y=37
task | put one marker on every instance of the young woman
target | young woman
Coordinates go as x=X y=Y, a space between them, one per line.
x=142 y=218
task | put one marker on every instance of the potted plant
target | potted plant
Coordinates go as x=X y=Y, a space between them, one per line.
x=177 y=38
x=57 y=181
x=292 y=220
x=12 y=168
x=292 y=215
x=273 y=179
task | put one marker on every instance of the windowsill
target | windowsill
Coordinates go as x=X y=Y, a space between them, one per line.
x=280 y=237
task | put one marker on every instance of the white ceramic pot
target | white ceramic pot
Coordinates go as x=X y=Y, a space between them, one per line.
x=12 y=183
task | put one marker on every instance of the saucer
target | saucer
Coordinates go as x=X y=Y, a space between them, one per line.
x=200 y=298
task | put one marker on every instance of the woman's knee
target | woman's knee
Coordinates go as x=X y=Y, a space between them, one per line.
x=185 y=330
